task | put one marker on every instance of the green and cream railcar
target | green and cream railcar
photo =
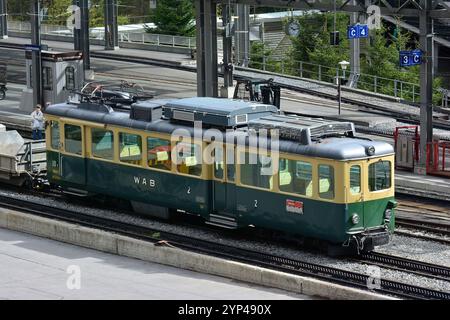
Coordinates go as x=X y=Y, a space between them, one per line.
x=327 y=185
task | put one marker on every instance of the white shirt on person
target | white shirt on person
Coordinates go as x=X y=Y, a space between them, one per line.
x=37 y=122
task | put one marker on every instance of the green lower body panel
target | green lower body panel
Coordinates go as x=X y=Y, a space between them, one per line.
x=293 y=214
x=137 y=184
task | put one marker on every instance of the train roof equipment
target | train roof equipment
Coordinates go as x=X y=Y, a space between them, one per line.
x=302 y=129
x=258 y=90
x=113 y=93
x=216 y=112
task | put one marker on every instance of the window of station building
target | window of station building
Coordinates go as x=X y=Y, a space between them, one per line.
x=326 y=181
x=54 y=134
x=355 y=179
x=31 y=76
x=47 y=78
x=189 y=158
x=295 y=177
x=70 y=78
x=159 y=153
x=130 y=148
x=380 y=175
x=102 y=144
x=72 y=139
x=256 y=171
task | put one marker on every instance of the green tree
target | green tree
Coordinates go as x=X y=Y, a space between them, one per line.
x=57 y=12
x=174 y=17
x=261 y=57
x=313 y=45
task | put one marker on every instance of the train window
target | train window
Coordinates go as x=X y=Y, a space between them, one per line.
x=219 y=164
x=72 y=139
x=54 y=133
x=70 y=78
x=254 y=171
x=380 y=175
x=102 y=144
x=231 y=172
x=231 y=169
x=355 y=179
x=326 y=181
x=130 y=148
x=295 y=177
x=189 y=158
x=159 y=153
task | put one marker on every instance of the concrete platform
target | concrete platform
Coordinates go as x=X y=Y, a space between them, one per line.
x=172 y=256
x=37 y=268
x=425 y=186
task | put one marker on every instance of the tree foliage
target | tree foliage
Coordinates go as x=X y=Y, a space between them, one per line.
x=174 y=17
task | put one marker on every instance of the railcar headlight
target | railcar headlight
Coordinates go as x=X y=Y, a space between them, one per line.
x=370 y=150
x=387 y=215
x=355 y=218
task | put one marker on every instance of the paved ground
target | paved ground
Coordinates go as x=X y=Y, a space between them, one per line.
x=36 y=268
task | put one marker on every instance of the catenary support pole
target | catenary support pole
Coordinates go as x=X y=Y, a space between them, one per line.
x=3 y=19
x=355 y=65
x=84 y=34
x=426 y=85
x=227 y=48
x=36 y=68
x=242 y=40
x=111 y=25
x=207 y=76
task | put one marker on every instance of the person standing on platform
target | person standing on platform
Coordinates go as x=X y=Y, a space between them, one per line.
x=37 y=122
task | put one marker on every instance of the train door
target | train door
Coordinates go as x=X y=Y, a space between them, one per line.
x=224 y=188
x=356 y=188
x=72 y=153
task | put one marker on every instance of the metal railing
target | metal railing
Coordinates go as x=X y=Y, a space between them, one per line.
x=99 y=34
x=402 y=90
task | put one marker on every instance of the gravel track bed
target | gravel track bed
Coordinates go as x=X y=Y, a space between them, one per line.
x=403 y=246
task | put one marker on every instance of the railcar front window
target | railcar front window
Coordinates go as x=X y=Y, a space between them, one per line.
x=326 y=181
x=255 y=171
x=102 y=144
x=355 y=180
x=159 y=153
x=72 y=137
x=189 y=158
x=130 y=148
x=380 y=175
x=295 y=177
x=54 y=133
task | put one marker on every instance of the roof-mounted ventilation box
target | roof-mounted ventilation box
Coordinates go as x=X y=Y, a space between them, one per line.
x=147 y=110
x=303 y=129
x=216 y=112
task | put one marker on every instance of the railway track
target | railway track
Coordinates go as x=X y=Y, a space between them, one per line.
x=366 y=106
x=404 y=264
x=429 y=226
x=423 y=216
x=261 y=259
